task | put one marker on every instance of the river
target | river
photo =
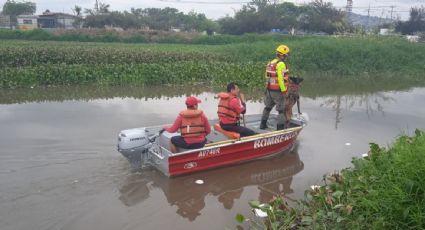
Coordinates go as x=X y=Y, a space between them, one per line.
x=59 y=168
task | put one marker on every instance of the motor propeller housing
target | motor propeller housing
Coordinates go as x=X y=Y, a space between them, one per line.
x=132 y=138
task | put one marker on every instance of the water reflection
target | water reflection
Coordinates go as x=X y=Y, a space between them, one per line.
x=271 y=176
x=370 y=103
x=311 y=88
x=86 y=93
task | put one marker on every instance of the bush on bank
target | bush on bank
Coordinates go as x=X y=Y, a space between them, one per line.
x=386 y=190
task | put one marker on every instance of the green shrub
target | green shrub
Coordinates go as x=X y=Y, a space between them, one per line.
x=384 y=191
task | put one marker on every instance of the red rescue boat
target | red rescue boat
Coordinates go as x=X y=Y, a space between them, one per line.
x=143 y=146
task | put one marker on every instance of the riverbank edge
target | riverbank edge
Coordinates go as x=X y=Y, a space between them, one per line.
x=385 y=189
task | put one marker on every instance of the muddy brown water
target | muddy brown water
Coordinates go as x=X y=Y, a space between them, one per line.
x=59 y=168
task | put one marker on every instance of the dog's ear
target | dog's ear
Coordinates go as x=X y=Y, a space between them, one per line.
x=296 y=80
x=300 y=79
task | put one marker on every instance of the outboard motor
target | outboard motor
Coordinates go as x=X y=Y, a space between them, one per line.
x=134 y=145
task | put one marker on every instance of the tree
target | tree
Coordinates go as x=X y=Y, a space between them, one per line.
x=103 y=8
x=154 y=18
x=288 y=15
x=14 y=9
x=246 y=20
x=77 y=10
x=124 y=20
x=99 y=8
x=320 y=16
x=195 y=22
x=260 y=16
x=228 y=25
x=415 y=24
x=206 y=25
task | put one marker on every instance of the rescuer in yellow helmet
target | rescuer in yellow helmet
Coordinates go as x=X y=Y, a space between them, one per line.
x=276 y=87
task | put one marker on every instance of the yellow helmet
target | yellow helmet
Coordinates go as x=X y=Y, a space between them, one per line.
x=282 y=49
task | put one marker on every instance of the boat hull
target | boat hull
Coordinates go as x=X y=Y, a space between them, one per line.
x=146 y=146
x=228 y=153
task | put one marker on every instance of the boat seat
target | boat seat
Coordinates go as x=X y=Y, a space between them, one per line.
x=229 y=134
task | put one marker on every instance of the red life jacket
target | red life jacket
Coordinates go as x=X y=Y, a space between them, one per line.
x=224 y=109
x=272 y=80
x=192 y=125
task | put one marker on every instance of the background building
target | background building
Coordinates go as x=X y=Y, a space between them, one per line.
x=5 y=22
x=50 y=20
x=27 y=22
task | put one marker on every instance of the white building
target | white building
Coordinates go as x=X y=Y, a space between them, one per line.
x=27 y=22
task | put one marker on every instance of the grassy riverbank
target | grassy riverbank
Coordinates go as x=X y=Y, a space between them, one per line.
x=384 y=191
x=36 y=63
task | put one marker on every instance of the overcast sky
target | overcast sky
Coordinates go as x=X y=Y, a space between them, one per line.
x=219 y=8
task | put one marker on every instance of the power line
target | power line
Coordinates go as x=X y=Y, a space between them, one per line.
x=201 y=2
x=403 y=1
x=362 y=7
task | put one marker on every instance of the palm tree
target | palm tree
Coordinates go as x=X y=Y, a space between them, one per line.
x=103 y=8
x=77 y=10
x=99 y=8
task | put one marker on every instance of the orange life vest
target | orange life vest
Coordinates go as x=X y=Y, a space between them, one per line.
x=192 y=125
x=272 y=80
x=224 y=109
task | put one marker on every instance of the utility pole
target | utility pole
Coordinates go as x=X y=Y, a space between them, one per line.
x=96 y=6
x=368 y=16
x=382 y=15
x=392 y=10
x=63 y=18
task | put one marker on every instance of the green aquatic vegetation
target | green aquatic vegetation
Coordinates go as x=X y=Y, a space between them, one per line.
x=179 y=73
x=385 y=190
x=36 y=63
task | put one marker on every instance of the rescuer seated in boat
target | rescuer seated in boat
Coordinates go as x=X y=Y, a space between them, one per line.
x=230 y=108
x=193 y=126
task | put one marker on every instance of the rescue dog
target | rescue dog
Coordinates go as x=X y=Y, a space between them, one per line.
x=292 y=97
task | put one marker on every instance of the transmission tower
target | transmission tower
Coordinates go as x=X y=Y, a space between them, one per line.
x=349 y=7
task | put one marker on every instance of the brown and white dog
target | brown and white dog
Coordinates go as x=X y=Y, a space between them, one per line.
x=293 y=96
